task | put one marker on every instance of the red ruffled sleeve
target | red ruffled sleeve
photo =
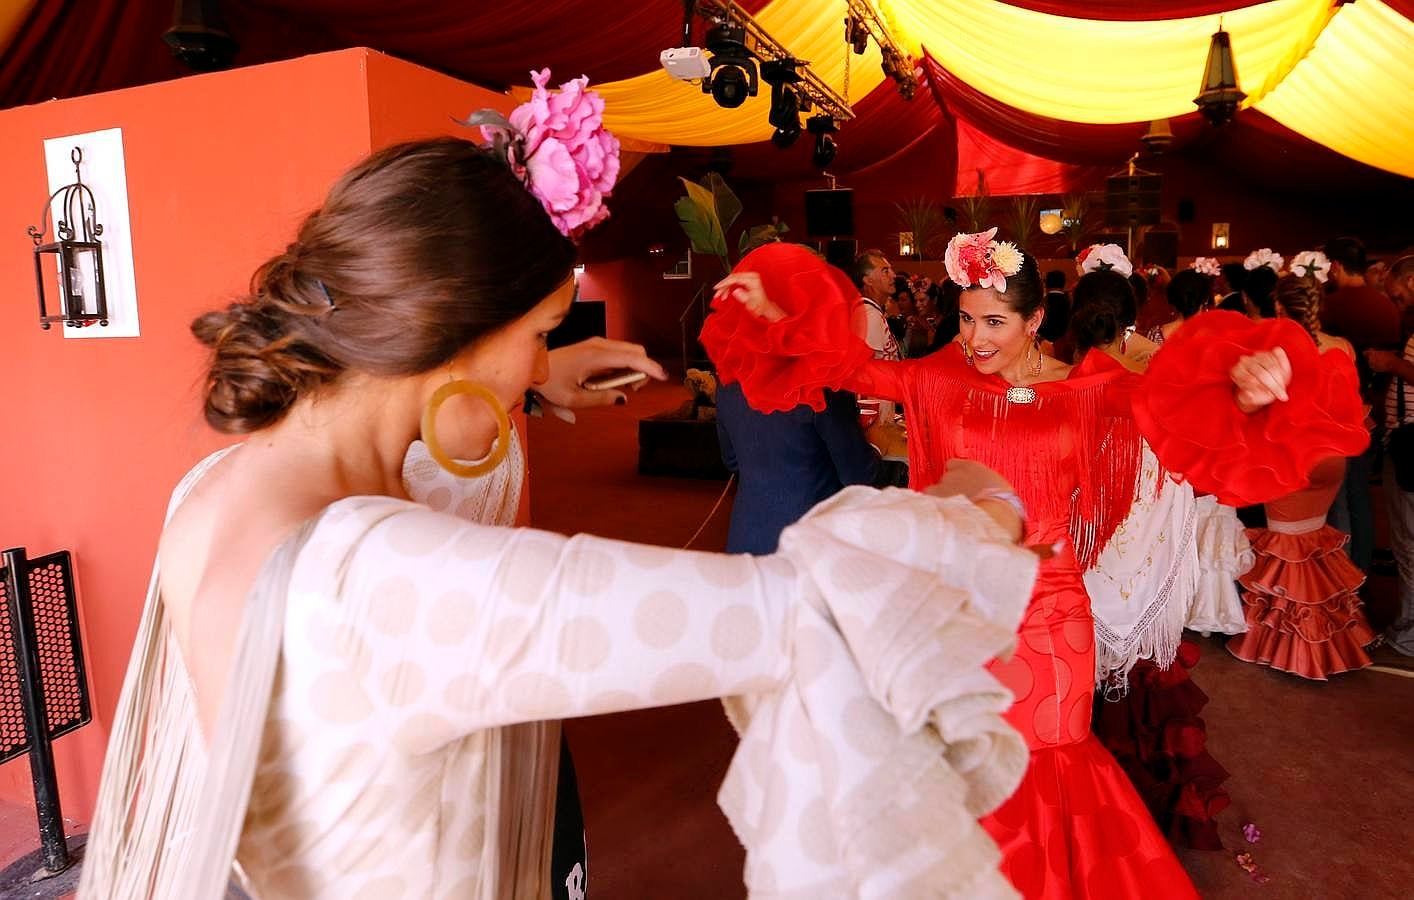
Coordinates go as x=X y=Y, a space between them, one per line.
x=1186 y=410
x=783 y=364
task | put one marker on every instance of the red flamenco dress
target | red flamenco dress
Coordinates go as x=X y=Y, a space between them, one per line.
x=1303 y=615
x=1075 y=828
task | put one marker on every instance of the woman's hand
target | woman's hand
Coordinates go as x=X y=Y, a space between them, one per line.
x=571 y=366
x=1261 y=379
x=746 y=289
x=984 y=487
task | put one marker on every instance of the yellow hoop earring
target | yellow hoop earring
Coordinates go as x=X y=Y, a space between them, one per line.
x=429 y=429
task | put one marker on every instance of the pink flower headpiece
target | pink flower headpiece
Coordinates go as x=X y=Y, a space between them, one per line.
x=557 y=146
x=1206 y=265
x=980 y=260
x=1099 y=257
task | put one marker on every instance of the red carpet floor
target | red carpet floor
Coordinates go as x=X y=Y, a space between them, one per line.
x=1326 y=771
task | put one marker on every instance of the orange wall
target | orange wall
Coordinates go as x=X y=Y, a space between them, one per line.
x=221 y=168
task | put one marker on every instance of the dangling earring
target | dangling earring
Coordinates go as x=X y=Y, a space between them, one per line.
x=429 y=429
x=1035 y=367
x=967 y=352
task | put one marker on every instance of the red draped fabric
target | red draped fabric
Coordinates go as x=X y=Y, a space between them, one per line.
x=1130 y=11
x=1013 y=171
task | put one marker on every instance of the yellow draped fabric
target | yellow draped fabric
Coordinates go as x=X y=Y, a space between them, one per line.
x=659 y=109
x=1099 y=72
x=1354 y=92
x=1342 y=75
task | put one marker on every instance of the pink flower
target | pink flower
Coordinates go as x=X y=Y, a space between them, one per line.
x=968 y=260
x=562 y=152
x=1251 y=832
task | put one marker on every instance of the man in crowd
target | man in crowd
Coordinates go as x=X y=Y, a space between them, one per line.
x=1399 y=498
x=1370 y=321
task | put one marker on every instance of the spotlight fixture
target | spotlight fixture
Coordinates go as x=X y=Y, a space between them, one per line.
x=734 y=76
x=1220 y=96
x=198 y=36
x=856 y=34
x=822 y=127
x=781 y=75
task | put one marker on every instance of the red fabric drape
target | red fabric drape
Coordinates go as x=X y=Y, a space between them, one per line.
x=1013 y=171
x=498 y=43
x=1130 y=11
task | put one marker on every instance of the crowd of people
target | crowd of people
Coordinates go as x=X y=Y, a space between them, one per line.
x=351 y=666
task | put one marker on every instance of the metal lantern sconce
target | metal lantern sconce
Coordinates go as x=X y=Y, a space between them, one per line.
x=905 y=244
x=1220 y=236
x=79 y=252
x=1220 y=96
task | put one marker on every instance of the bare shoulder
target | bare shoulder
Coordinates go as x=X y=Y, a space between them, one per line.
x=1328 y=342
x=1054 y=370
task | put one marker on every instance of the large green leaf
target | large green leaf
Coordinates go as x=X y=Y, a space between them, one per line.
x=699 y=222
x=727 y=205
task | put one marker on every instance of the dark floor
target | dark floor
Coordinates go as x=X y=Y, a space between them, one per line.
x=1326 y=771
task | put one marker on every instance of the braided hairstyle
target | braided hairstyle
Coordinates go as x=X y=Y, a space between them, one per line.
x=1299 y=297
x=418 y=251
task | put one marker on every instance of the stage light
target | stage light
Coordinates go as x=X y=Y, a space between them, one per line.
x=734 y=76
x=822 y=127
x=780 y=74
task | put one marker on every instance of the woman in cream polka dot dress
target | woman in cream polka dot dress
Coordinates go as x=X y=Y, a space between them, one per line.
x=337 y=691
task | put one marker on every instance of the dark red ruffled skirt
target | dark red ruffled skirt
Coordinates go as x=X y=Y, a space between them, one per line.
x=1303 y=615
x=1076 y=830
x=1156 y=735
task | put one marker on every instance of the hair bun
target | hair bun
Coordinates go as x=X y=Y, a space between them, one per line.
x=258 y=368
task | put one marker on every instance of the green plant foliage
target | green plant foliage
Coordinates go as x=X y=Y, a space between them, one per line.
x=697 y=213
x=757 y=235
x=1024 y=220
x=727 y=204
x=978 y=207
x=922 y=217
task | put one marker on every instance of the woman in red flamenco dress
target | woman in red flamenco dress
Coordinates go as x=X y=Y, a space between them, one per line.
x=1303 y=615
x=1068 y=439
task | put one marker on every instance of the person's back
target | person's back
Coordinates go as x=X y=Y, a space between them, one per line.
x=787 y=462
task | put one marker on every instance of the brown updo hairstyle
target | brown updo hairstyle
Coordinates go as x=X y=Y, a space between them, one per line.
x=418 y=251
x=1102 y=306
x=1299 y=297
x=1024 y=291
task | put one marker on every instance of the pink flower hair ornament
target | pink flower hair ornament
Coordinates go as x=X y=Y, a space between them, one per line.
x=555 y=143
x=978 y=259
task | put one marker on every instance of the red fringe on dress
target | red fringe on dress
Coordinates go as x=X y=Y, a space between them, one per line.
x=1156 y=734
x=1303 y=615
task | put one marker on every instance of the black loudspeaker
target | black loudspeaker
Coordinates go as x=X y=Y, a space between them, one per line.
x=840 y=254
x=829 y=214
x=1185 y=210
x=1161 y=249
x=1132 y=200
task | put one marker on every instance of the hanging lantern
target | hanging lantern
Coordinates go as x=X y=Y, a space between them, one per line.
x=1220 y=96
x=1051 y=222
x=78 y=252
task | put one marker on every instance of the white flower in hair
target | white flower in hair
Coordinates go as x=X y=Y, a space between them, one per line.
x=1099 y=257
x=1264 y=257
x=1311 y=263
x=1206 y=265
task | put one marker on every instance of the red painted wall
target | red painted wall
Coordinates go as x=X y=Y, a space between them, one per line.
x=221 y=168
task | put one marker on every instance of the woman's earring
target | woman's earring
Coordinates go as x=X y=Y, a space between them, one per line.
x=429 y=429
x=967 y=352
x=1035 y=342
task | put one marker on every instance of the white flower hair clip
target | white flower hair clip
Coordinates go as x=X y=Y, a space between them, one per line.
x=1102 y=257
x=1264 y=257
x=1311 y=264
x=1206 y=265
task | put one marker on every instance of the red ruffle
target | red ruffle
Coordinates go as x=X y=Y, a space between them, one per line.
x=1158 y=738
x=783 y=364
x=1186 y=410
x=1303 y=615
x=1088 y=840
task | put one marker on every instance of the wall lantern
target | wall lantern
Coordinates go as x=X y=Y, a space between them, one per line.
x=1220 y=236
x=78 y=253
x=1220 y=95
x=905 y=244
